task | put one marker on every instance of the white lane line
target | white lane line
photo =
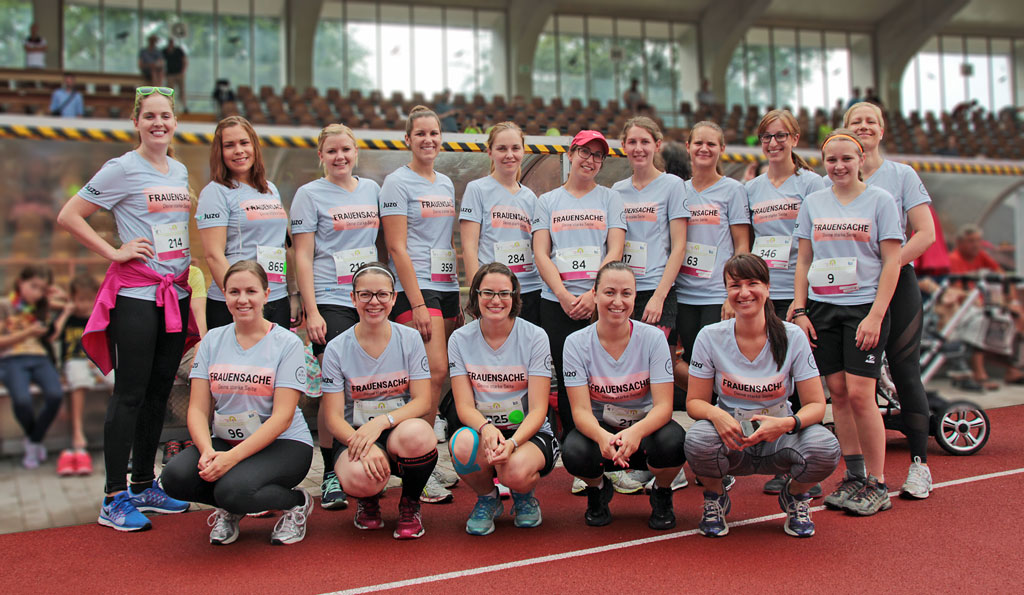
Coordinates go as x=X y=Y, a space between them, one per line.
x=618 y=546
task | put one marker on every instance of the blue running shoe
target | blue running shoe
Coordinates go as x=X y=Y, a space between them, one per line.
x=526 y=510
x=332 y=496
x=712 y=523
x=155 y=499
x=121 y=515
x=798 y=512
x=481 y=520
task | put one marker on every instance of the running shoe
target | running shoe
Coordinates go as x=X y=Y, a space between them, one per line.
x=872 y=497
x=848 y=486
x=225 y=526
x=331 y=495
x=410 y=523
x=917 y=487
x=445 y=474
x=798 y=512
x=598 y=514
x=440 y=429
x=435 y=493
x=171 y=448
x=503 y=492
x=579 y=487
x=291 y=527
x=679 y=481
x=641 y=476
x=40 y=452
x=663 y=517
x=623 y=483
x=261 y=514
x=775 y=485
x=368 y=515
x=481 y=519
x=31 y=458
x=83 y=463
x=66 y=463
x=155 y=499
x=716 y=506
x=727 y=482
x=526 y=509
x=121 y=515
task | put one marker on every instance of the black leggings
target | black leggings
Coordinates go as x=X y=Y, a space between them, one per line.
x=264 y=481
x=277 y=311
x=661 y=450
x=689 y=321
x=146 y=358
x=903 y=352
x=559 y=326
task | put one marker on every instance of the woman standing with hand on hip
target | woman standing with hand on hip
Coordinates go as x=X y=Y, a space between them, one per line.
x=240 y=217
x=139 y=323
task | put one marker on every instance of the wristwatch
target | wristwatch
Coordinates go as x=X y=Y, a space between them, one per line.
x=391 y=421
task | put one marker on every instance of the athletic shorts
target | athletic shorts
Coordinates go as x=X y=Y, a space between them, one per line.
x=548 y=445
x=444 y=304
x=339 y=319
x=82 y=373
x=668 y=310
x=836 y=351
x=382 y=441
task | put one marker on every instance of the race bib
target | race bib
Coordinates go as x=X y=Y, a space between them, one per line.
x=506 y=414
x=831 y=276
x=442 y=265
x=363 y=410
x=171 y=240
x=235 y=427
x=773 y=250
x=346 y=262
x=273 y=262
x=635 y=255
x=622 y=417
x=517 y=255
x=779 y=410
x=699 y=261
x=578 y=263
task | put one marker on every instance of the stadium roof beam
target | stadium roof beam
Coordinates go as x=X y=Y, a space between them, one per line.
x=901 y=33
x=301 y=35
x=526 y=20
x=722 y=25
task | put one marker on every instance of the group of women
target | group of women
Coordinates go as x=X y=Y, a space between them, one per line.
x=654 y=260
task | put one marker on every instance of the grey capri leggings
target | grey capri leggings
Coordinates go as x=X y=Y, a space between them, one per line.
x=809 y=456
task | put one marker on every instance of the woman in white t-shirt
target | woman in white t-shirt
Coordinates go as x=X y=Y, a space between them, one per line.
x=252 y=371
x=754 y=362
x=618 y=372
x=376 y=383
x=501 y=377
x=240 y=217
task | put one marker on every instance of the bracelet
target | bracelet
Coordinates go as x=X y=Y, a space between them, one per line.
x=799 y=424
x=481 y=428
x=798 y=314
x=798 y=311
x=514 y=443
x=418 y=306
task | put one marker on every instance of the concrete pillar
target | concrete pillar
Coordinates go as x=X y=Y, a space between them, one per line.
x=47 y=14
x=900 y=34
x=722 y=25
x=526 y=20
x=302 y=17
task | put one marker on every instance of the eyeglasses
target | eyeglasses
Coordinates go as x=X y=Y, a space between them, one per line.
x=382 y=296
x=780 y=137
x=488 y=294
x=586 y=153
x=144 y=91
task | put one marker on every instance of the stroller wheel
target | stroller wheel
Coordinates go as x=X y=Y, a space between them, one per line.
x=961 y=428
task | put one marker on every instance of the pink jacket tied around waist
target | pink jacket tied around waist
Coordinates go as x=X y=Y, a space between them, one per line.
x=133 y=274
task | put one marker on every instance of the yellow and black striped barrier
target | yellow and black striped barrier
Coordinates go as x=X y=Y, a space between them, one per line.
x=18 y=131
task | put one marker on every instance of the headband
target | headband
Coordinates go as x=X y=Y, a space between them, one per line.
x=835 y=136
x=372 y=268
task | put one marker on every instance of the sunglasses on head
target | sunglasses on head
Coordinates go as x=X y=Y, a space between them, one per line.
x=144 y=91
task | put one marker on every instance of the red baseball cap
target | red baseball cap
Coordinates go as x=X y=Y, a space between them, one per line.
x=585 y=136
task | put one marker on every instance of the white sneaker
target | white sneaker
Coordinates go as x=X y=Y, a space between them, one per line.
x=225 y=526
x=680 y=480
x=31 y=458
x=503 y=492
x=445 y=475
x=919 y=481
x=435 y=493
x=291 y=528
x=579 y=487
x=40 y=452
x=623 y=483
x=440 y=429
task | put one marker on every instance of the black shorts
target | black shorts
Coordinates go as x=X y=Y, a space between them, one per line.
x=339 y=319
x=444 y=304
x=668 y=310
x=382 y=442
x=278 y=311
x=781 y=308
x=530 y=311
x=548 y=445
x=836 y=327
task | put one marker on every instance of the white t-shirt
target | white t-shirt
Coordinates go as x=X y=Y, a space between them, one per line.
x=902 y=182
x=243 y=380
x=256 y=229
x=847 y=240
x=430 y=211
x=773 y=213
x=648 y=212
x=620 y=390
x=345 y=225
x=579 y=233
x=500 y=377
x=744 y=384
x=709 y=240
x=147 y=204
x=505 y=227
x=373 y=386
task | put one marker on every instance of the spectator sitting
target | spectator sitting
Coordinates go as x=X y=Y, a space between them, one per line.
x=176 y=62
x=222 y=92
x=66 y=101
x=854 y=98
x=446 y=112
x=35 y=49
x=952 y=148
x=151 y=63
x=706 y=97
x=871 y=97
x=634 y=99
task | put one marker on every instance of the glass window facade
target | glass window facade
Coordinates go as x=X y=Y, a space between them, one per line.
x=952 y=69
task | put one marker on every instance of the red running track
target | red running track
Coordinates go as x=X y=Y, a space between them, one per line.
x=965 y=538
